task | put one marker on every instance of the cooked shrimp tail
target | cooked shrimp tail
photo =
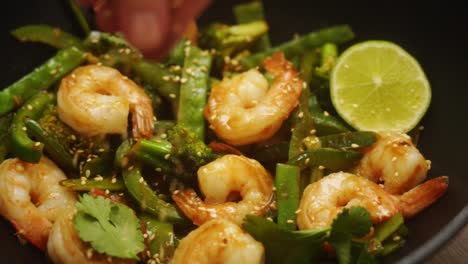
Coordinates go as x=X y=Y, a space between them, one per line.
x=221 y=181
x=31 y=197
x=423 y=195
x=96 y=100
x=243 y=110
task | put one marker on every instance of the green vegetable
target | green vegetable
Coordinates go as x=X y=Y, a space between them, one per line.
x=250 y=12
x=52 y=36
x=79 y=17
x=52 y=147
x=161 y=241
x=164 y=81
x=384 y=230
x=21 y=144
x=228 y=40
x=333 y=159
x=287 y=194
x=325 y=124
x=349 y=140
x=329 y=54
x=112 y=229
x=307 y=65
x=177 y=53
x=284 y=246
x=111 y=184
x=302 y=125
x=354 y=222
x=147 y=198
x=5 y=122
x=271 y=153
x=181 y=154
x=98 y=166
x=40 y=79
x=194 y=90
x=296 y=47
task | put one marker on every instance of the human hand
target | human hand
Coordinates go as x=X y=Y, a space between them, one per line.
x=152 y=26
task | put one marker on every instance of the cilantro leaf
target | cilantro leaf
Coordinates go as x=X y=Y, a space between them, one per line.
x=351 y=223
x=112 y=229
x=283 y=245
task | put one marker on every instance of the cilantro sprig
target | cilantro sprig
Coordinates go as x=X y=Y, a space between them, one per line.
x=286 y=246
x=112 y=229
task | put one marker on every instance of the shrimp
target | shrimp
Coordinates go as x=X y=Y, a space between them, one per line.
x=394 y=161
x=242 y=110
x=220 y=181
x=65 y=247
x=96 y=100
x=218 y=241
x=324 y=199
x=31 y=197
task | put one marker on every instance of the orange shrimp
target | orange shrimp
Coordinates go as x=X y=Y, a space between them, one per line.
x=219 y=180
x=242 y=110
x=96 y=100
x=324 y=199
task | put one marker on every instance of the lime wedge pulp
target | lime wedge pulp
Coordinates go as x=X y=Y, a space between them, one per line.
x=378 y=86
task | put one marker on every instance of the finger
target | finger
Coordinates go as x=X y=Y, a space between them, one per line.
x=184 y=12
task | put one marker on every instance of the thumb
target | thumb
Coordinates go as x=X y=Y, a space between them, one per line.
x=144 y=23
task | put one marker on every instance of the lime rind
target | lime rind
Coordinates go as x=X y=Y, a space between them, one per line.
x=369 y=87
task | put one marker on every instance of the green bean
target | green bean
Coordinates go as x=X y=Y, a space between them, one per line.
x=161 y=242
x=40 y=79
x=325 y=124
x=302 y=125
x=153 y=153
x=165 y=82
x=147 y=198
x=194 y=90
x=53 y=148
x=5 y=122
x=329 y=158
x=250 y=12
x=287 y=194
x=349 y=140
x=307 y=65
x=79 y=16
x=329 y=52
x=387 y=228
x=81 y=185
x=177 y=53
x=296 y=47
x=52 y=36
x=21 y=144
x=98 y=166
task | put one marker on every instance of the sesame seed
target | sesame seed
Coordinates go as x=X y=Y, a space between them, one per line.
x=165 y=78
x=325 y=113
x=167 y=156
x=354 y=145
x=114 y=180
x=176 y=192
x=106 y=191
x=87 y=173
x=141 y=180
x=29 y=107
x=172 y=95
x=101 y=150
x=321 y=167
x=307 y=160
x=24 y=128
x=312 y=131
x=298 y=211
x=300 y=115
x=98 y=178
x=37 y=144
x=396 y=173
x=394 y=158
x=290 y=221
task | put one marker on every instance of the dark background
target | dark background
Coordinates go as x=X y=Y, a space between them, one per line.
x=433 y=32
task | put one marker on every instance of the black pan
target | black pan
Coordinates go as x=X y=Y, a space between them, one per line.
x=434 y=33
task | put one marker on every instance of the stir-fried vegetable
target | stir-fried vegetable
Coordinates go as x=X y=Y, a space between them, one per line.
x=137 y=192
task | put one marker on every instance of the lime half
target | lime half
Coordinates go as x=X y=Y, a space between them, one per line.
x=378 y=86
